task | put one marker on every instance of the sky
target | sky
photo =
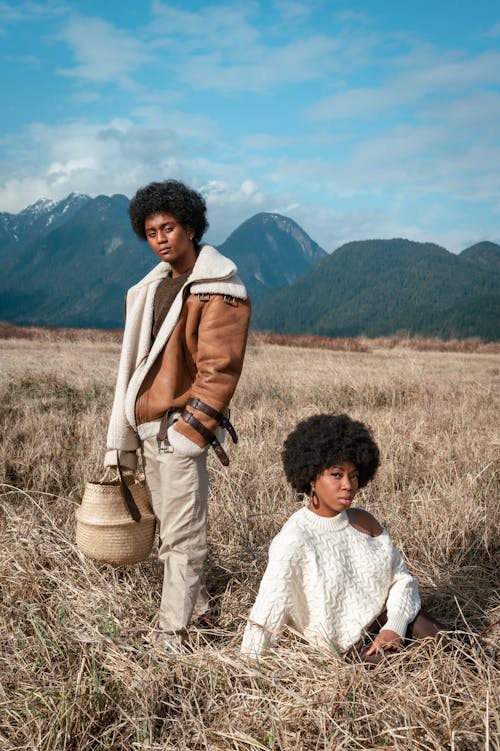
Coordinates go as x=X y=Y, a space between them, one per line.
x=369 y=119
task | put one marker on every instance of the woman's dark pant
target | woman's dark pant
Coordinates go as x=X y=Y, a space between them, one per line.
x=422 y=627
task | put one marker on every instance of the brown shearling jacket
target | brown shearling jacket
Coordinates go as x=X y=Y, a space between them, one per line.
x=197 y=353
x=202 y=359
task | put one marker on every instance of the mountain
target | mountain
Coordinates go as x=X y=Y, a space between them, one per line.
x=376 y=287
x=36 y=221
x=69 y=263
x=485 y=255
x=270 y=251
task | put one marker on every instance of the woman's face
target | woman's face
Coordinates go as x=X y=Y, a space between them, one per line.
x=171 y=241
x=334 y=489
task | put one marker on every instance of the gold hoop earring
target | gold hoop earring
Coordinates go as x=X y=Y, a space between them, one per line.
x=313 y=499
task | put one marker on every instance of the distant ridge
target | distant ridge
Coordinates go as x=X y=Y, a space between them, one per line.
x=69 y=263
x=484 y=254
x=72 y=263
x=36 y=221
x=271 y=251
x=377 y=287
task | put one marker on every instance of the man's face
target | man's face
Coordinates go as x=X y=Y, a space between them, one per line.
x=171 y=242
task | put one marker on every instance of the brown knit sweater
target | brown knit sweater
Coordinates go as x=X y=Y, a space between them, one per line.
x=165 y=294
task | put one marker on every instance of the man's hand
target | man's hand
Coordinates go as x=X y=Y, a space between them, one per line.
x=384 y=641
x=127 y=459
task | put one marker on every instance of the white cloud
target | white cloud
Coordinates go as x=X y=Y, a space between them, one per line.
x=268 y=141
x=331 y=227
x=422 y=75
x=113 y=157
x=219 y=47
x=19 y=12
x=356 y=103
x=294 y=9
x=349 y=16
x=397 y=124
x=225 y=194
x=266 y=68
x=211 y=26
x=274 y=143
x=102 y=52
x=27 y=12
x=494 y=32
x=119 y=156
x=452 y=74
x=397 y=167
x=478 y=109
x=85 y=96
x=30 y=60
x=416 y=159
x=61 y=172
x=223 y=48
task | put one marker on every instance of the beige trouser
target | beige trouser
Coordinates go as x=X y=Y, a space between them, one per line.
x=179 y=489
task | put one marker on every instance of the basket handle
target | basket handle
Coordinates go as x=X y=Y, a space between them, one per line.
x=127 y=495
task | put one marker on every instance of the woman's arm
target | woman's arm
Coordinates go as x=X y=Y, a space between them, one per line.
x=273 y=607
x=402 y=593
x=402 y=605
x=403 y=601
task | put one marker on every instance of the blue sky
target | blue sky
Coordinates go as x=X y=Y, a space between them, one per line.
x=358 y=120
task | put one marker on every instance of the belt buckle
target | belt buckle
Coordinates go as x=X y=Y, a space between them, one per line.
x=164 y=447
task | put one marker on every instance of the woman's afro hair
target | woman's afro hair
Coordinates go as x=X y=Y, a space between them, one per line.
x=323 y=441
x=169 y=197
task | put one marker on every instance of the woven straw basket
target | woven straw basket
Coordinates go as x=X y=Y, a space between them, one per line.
x=105 y=530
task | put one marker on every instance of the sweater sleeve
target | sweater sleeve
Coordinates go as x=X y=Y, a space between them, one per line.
x=403 y=601
x=274 y=604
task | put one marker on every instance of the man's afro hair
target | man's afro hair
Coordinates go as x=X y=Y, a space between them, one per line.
x=323 y=441
x=169 y=197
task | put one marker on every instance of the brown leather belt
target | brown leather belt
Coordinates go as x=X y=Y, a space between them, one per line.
x=209 y=437
x=164 y=446
x=211 y=412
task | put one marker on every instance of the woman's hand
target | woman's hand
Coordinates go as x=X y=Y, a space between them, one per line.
x=384 y=641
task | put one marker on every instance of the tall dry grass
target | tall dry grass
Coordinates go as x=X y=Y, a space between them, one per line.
x=76 y=670
x=401 y=339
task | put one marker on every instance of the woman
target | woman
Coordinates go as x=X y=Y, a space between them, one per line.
x=333 y=572
x=183 y=346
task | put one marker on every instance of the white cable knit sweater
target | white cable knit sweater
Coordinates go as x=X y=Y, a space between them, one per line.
x=329 y=582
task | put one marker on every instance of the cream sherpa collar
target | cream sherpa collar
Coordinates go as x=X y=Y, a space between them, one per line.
x=210 y=267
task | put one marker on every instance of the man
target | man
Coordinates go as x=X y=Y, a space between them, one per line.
x=182 y=354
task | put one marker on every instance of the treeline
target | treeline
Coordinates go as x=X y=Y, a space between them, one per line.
x=401 y=339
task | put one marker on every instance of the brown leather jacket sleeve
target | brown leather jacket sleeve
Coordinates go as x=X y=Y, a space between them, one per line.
x=221 y=340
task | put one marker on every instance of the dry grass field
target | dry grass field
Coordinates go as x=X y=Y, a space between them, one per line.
x=76 y=670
